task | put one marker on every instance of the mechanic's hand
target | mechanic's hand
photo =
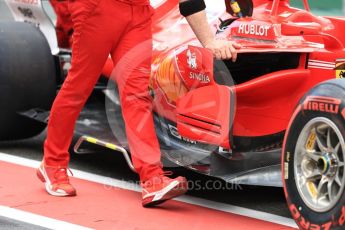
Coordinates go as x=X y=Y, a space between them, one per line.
x=223 y=49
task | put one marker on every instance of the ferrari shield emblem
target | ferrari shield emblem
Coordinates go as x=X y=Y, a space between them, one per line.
x=340 y=68
x=191 y=61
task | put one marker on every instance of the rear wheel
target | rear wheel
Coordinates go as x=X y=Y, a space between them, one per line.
x=314 y=159
x=27 y=79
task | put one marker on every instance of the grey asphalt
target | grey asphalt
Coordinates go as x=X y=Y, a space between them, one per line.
x=4 y=12
x=10 y=224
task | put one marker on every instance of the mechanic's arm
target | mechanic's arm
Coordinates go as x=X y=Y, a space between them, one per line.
x=194 y=11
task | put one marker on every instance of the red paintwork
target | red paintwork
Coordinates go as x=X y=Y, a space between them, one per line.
x=199 y=117
x=265 y=104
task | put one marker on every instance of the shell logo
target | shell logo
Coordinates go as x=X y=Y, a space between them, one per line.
x=340 y=68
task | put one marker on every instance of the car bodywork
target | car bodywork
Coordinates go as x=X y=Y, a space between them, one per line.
x=221 y=118
x=285 y=52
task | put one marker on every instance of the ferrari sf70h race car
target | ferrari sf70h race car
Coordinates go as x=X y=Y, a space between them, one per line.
x=275 y=117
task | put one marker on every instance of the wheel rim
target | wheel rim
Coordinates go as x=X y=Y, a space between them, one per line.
x=319 y=164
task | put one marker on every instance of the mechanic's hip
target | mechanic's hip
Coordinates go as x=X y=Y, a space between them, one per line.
x=86 y=8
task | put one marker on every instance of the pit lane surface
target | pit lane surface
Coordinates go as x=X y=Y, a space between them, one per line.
x=115 y=173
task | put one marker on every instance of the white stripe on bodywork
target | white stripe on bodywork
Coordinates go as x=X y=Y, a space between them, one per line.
x=322 y=65
x=324 y=62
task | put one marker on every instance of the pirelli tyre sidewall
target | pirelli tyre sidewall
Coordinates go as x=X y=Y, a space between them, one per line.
x=27 y=79
x=332 y=91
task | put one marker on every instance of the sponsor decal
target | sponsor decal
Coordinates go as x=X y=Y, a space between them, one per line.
x=340 y=68
x=288 y=156
x=191 y=60
x=304 y=223
x=203 y=78
x=194 y=66
x=286 y=170
x=253 y=29
x=322 y=104
x=26 y=12
x=174 y=132
x=31 y=2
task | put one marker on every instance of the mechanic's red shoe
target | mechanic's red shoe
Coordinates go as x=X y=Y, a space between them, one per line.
x=56 y=180
x=162 y=188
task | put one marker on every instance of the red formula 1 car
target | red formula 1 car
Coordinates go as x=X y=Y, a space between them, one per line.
x=275 y=117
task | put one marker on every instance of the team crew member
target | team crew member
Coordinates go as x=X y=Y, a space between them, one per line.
x=64 y=24
x=121 y=28
x=194 y=11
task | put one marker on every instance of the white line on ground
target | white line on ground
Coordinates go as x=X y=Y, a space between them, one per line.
x=37 y=220
x=135 y=187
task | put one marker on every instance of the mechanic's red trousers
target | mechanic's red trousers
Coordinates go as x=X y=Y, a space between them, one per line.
x=64 y=24
x=103 y=27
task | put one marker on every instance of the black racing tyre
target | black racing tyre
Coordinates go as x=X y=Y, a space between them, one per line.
x=27 y=79
x=313 y=161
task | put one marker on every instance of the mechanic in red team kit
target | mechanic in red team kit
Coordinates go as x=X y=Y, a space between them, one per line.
x=194 y=11
x=64 y=24
x=116 y=27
